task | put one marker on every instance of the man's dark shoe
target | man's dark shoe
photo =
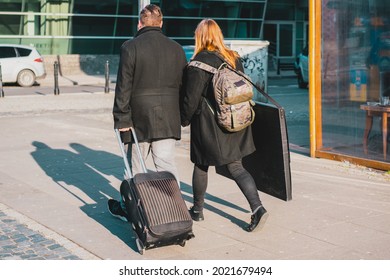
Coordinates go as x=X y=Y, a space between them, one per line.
x=196 y=215
x=115 y=209
x=258 y=219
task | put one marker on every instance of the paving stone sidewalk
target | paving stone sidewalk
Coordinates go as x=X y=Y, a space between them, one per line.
x=23 y=239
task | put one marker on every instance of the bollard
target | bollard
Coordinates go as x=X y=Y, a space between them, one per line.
x=56 y=89
x=107 y=75
x=1 y=83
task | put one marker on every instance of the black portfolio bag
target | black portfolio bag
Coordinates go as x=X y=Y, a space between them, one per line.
x=270 y=163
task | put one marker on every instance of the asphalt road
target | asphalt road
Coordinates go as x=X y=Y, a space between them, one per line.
x=295 y=101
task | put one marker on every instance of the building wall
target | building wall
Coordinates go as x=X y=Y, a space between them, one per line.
x=93 y=27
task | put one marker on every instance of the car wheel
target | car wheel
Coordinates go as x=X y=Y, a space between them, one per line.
x=301 y=82
x=26 y=78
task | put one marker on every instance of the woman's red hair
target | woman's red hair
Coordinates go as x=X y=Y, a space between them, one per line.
x=208 y=36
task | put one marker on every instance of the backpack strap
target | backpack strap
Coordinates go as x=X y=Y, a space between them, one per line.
x=207 y=68
x=203 y=66
x=214 y=70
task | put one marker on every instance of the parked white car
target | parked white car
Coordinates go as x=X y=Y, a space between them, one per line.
x=302 y=68
x=21 y=64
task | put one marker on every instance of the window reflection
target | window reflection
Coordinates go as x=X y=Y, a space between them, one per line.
x=355 y=72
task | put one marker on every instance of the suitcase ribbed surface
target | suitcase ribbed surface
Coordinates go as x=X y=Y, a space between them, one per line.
x=162 y=201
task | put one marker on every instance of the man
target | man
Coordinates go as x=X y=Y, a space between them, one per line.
x=147 y=95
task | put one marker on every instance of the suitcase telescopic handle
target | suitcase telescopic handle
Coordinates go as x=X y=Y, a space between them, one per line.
x=124 y=156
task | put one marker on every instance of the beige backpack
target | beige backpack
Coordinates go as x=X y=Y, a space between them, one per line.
x=233 y=95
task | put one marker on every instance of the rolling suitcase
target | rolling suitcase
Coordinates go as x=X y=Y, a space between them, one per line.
x=154 y=204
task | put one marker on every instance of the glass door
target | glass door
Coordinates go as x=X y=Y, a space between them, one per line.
x=281 y=38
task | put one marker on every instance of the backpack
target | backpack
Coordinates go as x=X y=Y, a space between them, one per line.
x=233 y=96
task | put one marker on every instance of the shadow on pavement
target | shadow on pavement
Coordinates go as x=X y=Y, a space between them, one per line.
x=208 y=197
x=86 y=168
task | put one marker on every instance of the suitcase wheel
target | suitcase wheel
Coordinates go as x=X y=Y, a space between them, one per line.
x=183 y=243
x=140 y=246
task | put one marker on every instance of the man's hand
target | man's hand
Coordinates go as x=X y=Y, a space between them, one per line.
x=125 y=134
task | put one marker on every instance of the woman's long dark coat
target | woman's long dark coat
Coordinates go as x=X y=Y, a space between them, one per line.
x=210 y=145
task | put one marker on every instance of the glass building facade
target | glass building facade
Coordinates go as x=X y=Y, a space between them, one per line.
x=351 y=42
x=100 y=27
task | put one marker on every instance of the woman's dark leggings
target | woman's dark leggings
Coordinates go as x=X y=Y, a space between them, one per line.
x=242 y=177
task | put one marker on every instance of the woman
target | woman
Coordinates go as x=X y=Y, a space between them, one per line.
x=210 y=145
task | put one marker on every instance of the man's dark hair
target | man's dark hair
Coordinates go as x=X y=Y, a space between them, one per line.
x=151 y=15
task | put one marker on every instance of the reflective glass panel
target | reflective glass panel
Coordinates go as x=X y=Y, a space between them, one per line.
x=355 y=76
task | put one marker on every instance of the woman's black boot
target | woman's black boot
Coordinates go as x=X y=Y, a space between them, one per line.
x=258 y=219
x=196 y=215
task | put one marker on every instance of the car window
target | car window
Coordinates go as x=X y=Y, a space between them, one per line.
x=23 y=51
x=6 y=52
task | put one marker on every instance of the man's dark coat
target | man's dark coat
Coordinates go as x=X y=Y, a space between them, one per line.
x=148 y=84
